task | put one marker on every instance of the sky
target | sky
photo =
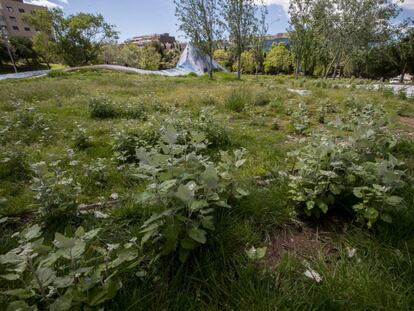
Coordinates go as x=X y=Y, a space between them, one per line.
x=140 y=17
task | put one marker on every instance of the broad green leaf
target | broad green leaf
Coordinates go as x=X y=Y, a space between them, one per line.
x=63 y=242
x=171 y=233
x=256 y=253
x=20 y=306
x=198 y=205
x=210 y=177
x=63 y=303
x=3 y=220
x=45 y=275
x=185 y=194
x=63 y=282
x=386 y=218
x=208 y=222
x=20 y=293
x=188 y=244
x=10 y=277
x=394 y=200
x=32 y=233
x=371 y=214
x=198 y=235
x=170 y=136
x=90 y=235
x=240 y=163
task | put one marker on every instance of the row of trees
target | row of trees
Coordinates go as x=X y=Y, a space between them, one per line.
x=353 y=37
x=153 y=56
x=278 y=60
x=74 y=40
x=207 y=22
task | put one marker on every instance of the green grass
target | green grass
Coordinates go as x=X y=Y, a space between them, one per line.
x=218 y=276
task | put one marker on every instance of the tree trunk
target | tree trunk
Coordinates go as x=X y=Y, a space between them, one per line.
x=403 y=73
x=210 y=70
x=239 y=66
x=297 y=68
x=329 y=67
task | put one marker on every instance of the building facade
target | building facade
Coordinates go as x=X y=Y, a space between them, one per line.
x=276 y=39
x=164 y=39
x=11 y=21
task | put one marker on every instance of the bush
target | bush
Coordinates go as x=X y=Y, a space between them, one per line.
x=80 y=138
x=13 y=164
x=238 y=100
x=358 y=172
x=261 y=99
x=57 y=74
x=56 y=193
x=185 y=190
x=300 y=119
x=102 y=108
x=72 y=273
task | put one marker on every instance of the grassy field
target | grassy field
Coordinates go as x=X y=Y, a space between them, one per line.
x=49 y=119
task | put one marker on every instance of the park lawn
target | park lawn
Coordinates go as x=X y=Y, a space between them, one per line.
x=219 y=276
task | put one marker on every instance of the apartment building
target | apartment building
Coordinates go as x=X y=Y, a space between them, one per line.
x=11 y=21
x=164 y=38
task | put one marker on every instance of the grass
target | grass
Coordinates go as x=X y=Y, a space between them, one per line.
x=219 y=276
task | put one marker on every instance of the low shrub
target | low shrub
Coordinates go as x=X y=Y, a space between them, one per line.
x=80 y=138
x=13 y=163
x=359 y=172
x=57 y=73
x=56 y=193
x=238 y=100
x=73 y=273
x=184 y=191
x=300 y=119
x=102 y=108
x=261 y=99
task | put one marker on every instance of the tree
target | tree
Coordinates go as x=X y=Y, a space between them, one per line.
x=149 y=58
x=247 y=62
x=78 y=38
x=278 y=59
x=129 y=55
x=44 y=47
x=242 y=24
x=224 y=58
x=23 y=49
x=199 y=20
x=110 y=53
x=301 y=31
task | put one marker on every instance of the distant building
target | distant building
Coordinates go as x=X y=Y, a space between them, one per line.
x=11 y=21
x=278 y=38
x=164 y=39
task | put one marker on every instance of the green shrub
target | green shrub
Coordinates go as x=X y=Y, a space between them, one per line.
x=102 y=108
x=136 y=111
x=57 y=73
x=56 y=193
x=358 y=172
x=72 y=273
x=185 y=190
x=261 y=99
x=238 y=100
x=300 y=119
x=80 y=138
x=13 y=164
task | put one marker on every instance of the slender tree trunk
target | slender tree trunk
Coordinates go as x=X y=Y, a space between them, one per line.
x=297 y=68
x=239 y=66
x=210 y=70
x=403 y=73
x=330 y=65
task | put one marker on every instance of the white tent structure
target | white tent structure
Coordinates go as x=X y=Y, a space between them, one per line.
x=192 y=60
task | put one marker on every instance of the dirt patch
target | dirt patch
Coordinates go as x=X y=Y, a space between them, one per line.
x=407 y=121
x=306 y=243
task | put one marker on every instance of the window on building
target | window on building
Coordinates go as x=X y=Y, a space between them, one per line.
x=12 y=18
x=26 y=28
x=15 y=28
x=21 y=10
x=10 y=9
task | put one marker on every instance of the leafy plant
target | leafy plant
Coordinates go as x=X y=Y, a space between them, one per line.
x=300 y=118
x=74 y=273
x=358 y=171
x=185 y=189
x=81 y=140
x=102 y=108
x=56 y=192
x=13 y=163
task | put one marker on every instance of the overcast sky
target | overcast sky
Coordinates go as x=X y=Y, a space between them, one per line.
x=138 y=17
